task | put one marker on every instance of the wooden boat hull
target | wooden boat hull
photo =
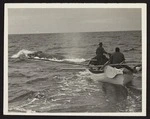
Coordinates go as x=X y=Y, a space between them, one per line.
x=120 y=79
x=120 y=76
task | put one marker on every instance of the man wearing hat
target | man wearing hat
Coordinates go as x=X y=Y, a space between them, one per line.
x=101 y=58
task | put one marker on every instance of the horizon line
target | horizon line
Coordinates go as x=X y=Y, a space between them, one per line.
x=69 y=32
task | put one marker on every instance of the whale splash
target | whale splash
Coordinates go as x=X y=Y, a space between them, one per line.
x=39 y=55
x=22 y=52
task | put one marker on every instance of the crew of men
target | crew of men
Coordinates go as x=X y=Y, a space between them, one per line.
x=116 y=58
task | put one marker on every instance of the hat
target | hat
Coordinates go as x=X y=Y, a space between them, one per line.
x=100 y=43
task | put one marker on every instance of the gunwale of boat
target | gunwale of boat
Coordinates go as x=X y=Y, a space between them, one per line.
x=120 y=79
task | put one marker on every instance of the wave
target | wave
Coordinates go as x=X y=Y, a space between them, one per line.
x=28 y=94
x=131 y=49
x=24 y=96
x=39 y=55
x=18 y=74
x=36 y=80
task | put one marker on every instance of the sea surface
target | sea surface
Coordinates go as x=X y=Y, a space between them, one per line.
x=57 y=86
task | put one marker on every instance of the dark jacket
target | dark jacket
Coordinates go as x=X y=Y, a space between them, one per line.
x=100 y=51
x=117 y=58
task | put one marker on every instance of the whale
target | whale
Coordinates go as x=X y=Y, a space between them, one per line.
x=23 y=54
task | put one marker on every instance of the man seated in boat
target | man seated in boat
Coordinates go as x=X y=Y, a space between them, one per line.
x=100 y=58
x=100 y=54
x=117 y=57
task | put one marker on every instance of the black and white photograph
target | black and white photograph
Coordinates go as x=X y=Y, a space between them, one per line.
x=75 y=59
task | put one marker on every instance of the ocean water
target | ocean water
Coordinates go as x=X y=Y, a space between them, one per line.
x=57 y=86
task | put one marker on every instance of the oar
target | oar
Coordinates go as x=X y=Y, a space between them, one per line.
x=119 y=64
x=73 y=68
x=86 y=66
x=104 y=65
x=122 y=62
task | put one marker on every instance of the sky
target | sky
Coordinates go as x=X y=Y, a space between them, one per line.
x=62 y=20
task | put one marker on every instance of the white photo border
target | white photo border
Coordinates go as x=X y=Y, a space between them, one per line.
x=143 y=7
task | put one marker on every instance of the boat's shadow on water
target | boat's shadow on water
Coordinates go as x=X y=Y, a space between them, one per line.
x=114 y=93
x=122 y=98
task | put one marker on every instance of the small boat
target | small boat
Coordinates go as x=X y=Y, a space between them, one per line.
x=113 y=73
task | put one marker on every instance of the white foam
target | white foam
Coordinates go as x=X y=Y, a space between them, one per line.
x=85 y=73
x=27 y=52
x=36 y=57
x=22 y=52
x=77 y=60
x=54 y=59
